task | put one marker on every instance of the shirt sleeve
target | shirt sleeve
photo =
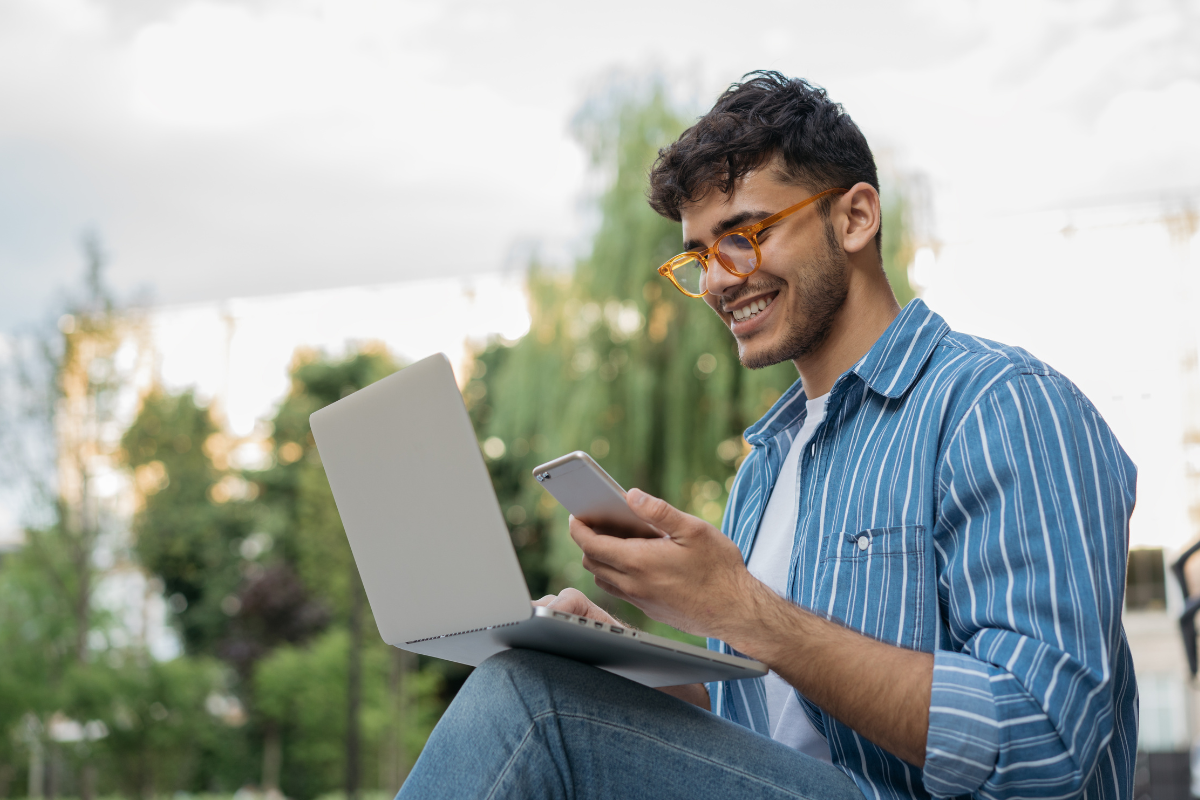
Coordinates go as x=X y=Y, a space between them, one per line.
x=1034 y=502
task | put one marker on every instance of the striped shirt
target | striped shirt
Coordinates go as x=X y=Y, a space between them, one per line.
x=962 y=498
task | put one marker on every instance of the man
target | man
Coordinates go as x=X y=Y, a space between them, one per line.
x=926 y=544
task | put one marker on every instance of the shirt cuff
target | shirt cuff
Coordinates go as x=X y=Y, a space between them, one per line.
x=964 y=735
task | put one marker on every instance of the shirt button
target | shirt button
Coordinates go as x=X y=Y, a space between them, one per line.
x=863 y=542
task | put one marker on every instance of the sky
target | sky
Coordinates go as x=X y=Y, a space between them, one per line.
x=224 y=149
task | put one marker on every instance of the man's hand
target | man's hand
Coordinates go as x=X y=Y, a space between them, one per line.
x=573 y=601
x=696 y=580
x=693 y=579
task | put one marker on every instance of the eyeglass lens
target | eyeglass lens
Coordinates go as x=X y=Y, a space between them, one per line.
x=690 y=275
x=737 y=253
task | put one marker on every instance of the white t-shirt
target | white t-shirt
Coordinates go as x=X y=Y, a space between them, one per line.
x=770 y=560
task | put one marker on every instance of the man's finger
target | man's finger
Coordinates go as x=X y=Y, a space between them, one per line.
x=659 y=513
x=617 y=553
x=571 y=601
x=606 y=575
x=605 y=586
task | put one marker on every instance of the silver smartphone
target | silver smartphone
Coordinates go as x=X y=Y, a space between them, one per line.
x=592 y=496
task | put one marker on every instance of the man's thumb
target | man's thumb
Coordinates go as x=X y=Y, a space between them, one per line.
x=658 y=513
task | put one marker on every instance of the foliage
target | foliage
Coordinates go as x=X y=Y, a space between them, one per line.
x=304 y=688
x=155 y=717
x=182 y=536
x=151 y=718
x=897 y=243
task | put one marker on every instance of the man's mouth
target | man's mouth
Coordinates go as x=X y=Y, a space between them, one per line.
x=754 y=307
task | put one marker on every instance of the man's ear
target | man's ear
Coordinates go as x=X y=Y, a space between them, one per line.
x=858 y=216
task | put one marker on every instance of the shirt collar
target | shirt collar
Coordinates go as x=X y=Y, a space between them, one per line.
x=889 y=368
x=893 y=363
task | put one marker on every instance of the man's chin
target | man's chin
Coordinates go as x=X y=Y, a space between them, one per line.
x=760 y=357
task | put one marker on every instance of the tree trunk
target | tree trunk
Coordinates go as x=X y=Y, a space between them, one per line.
x=37 y=765
x=354 y=684
x=396 y=761
x=87 y=782
x=83 y=564
x=272 y=757
x=54 y=766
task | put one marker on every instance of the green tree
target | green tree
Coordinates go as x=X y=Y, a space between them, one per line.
x=72 y=677
x=292 y=685
x=182 y=536
x=898 y=247
x=258 y=571
x=155 y=724
x=61 y=405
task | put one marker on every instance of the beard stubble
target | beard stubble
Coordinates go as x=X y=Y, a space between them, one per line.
x=821 y=290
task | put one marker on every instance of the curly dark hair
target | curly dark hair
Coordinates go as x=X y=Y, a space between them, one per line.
x=764 y=115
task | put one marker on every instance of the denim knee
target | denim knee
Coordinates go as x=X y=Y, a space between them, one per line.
x=513 y=679
x=518 y=666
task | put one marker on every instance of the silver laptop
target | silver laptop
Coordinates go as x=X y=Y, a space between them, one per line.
x=433 y=549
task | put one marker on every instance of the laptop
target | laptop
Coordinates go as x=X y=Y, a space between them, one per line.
x=434 y=551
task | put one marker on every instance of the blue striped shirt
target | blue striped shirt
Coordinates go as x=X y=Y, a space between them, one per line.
x=995 y=503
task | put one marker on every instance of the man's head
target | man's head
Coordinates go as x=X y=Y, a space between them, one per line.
x=767 y=144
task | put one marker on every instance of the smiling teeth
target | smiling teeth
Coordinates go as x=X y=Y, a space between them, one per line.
x=749 y=311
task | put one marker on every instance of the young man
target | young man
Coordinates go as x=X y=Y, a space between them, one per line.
x=926 y=544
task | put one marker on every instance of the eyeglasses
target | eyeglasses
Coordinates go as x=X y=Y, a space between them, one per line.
x=736 y=251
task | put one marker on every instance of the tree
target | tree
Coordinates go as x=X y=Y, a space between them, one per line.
x=62 y=412
x=182 y=536
x=259 y=573
x=71 y=673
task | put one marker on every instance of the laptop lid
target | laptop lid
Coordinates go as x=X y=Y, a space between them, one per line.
x=418 y=506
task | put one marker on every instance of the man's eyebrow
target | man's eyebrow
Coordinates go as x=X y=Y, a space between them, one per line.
x=729 y=223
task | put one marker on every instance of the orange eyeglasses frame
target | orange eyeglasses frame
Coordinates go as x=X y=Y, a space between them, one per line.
x=748 y=232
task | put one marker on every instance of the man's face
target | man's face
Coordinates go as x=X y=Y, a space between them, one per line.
x=802 y=281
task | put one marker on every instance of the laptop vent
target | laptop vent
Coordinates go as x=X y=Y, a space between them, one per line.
x=460 y=633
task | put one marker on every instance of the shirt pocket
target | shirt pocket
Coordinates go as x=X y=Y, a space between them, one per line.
x=875 y=581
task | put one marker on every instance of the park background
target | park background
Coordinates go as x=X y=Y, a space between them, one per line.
x=218 y=217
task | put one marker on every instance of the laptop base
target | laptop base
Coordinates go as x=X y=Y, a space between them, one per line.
x=641 y=657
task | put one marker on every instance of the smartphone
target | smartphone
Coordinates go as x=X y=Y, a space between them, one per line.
x=592 y=496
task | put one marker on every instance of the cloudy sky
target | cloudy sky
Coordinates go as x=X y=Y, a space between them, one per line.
x=238 y=148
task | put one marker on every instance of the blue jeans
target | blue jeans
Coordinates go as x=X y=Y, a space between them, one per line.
x=530 y=725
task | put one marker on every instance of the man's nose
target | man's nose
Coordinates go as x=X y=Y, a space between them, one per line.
x=719 y=280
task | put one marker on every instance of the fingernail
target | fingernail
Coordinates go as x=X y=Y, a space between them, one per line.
x=637 y=496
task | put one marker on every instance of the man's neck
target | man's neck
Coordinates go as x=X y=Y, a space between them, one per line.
x=869 y=308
